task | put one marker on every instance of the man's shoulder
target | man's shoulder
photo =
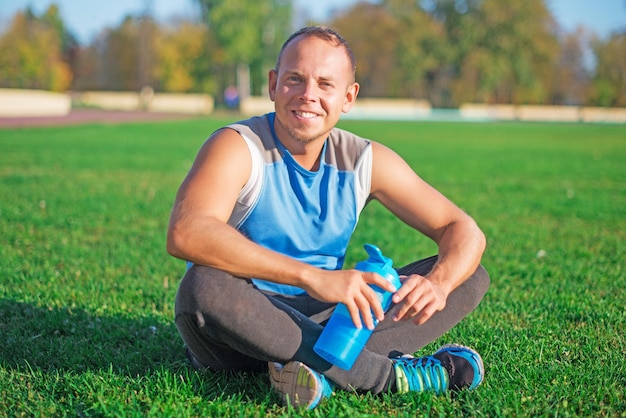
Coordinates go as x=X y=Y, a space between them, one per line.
x=257 y=125
x=258 y=120
x=346 y=149
x=257 y=129
x=345 y=139
x=257 y=133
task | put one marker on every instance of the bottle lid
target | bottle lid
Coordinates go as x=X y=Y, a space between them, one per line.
x=378 y=263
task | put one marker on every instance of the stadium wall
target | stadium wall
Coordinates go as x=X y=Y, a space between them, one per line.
x=34 y=103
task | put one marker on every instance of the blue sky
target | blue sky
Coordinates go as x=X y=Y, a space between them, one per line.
x=86 y=18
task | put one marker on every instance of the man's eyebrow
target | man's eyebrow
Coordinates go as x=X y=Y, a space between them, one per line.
x=325 y=77
x=291 y=72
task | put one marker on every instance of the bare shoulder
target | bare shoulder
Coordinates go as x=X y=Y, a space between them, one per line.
x=383 y=152
x=220 y=170
x=389 y=169
x=225 y=153
x=225 y=143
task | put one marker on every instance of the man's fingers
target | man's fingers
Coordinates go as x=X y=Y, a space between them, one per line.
x=366 y=312
x=410 y=308
x=365 y=308
x=408 y=299
x=408 y=284
x=380 y=281
x=419 y=299
x=355 y=314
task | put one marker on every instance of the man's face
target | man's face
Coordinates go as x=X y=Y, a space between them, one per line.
x=311 y=88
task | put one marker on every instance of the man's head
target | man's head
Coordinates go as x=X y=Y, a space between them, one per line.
x=312 y=84
x=325 y=33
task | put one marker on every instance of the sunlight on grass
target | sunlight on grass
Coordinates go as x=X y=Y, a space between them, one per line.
x=87 y=289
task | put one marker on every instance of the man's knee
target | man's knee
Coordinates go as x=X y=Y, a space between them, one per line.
x=476 y=286
x=483 y=279
x=205 y=288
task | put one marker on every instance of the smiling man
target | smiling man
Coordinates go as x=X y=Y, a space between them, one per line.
x=265 y=216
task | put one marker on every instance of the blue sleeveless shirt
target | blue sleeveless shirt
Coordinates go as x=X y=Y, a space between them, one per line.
x=307 y=215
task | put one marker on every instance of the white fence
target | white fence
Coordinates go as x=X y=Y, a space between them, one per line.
x=402 y=109
x=543 y=113
x=33 y=103
x=198 y=104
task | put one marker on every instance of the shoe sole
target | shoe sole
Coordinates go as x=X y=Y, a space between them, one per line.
x=295 y=384
x=477 y=358
x=195 y=363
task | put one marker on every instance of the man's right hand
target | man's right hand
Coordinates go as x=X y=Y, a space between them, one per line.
x=352 y=288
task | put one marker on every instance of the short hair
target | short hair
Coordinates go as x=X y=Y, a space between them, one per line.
x=325 y=33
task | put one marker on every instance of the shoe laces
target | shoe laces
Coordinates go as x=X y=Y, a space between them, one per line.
x=420 y=374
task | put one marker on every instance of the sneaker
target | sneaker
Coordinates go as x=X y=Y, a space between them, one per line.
x=464 y=365
x=197 y=364
x=298 y=385
x=452 y=367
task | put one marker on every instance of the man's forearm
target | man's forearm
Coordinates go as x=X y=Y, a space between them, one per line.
x=460 y=250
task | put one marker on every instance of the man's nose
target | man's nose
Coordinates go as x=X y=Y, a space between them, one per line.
x=309 y=91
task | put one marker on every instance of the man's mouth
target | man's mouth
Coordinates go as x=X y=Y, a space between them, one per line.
x=305 y=115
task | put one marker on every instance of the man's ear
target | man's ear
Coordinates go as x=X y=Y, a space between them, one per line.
x=273 y=80
x=351 y=93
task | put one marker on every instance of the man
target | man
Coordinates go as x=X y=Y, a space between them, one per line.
x=264 y=218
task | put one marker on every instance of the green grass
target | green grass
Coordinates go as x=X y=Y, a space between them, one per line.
x=87 y=289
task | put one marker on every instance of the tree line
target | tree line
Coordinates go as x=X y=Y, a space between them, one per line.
x=446 y=51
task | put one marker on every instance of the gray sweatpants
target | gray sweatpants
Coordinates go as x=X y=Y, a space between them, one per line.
x=229 y=324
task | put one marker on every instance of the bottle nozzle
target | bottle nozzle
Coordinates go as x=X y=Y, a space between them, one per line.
x=375 y=255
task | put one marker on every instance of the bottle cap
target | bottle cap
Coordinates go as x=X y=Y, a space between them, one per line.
x=380 y=264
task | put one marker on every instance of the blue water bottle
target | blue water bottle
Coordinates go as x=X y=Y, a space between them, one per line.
x=341 y=342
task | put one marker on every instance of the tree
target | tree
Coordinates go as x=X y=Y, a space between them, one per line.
x=69 y=44
x=182 y=62
x=248 y=36
x=398 y=47
x=570 y=79
x=609 y=81
x=121 y=59
x=512 y=53
x=32 y=54
x=454 y=35
x=421 y=51
x=89 y=71
x=139 y=53
x=373 y=48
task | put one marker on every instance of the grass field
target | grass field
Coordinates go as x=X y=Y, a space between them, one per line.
x=87 y=289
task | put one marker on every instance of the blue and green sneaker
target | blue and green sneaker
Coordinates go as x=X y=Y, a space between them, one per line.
x=452 y=367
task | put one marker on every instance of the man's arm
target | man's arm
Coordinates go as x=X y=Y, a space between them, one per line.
x=461 y=243
x=198 y=231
